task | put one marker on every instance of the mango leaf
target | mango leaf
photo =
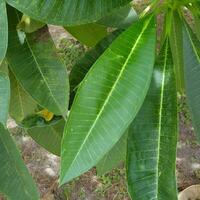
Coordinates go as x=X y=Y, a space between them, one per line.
x=67 y=12
x=21 y=103
x=108 y=99
x=3 y=30
x=88 y=34
x=4 y=96
x=34 y=61
x=16 y=182
x=197 y=26
x=29 y=25
x=83 y=65
x=176 y=43
x=53 y=133
x=114 y=157
x=192 y=72
x=121 y=18
x=152 y=140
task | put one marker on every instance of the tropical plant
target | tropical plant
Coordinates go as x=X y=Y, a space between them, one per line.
x=120 y=101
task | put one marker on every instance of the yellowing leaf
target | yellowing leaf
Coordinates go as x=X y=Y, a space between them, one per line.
x=47 y=115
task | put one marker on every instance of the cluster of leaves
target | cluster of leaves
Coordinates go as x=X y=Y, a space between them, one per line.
x=120 y=101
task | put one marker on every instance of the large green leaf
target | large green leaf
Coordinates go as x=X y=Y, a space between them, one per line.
x=176 y=42
x=4 y=95
x=192 y=74
x=33 y=60
x=113 y=158
x=83 y=65
x=3 y=30
x=21 y=103
x=108 y=99
x=49 y=137
x=16 y=183
x=88 y=34
x=152 y=140
x=67 y=12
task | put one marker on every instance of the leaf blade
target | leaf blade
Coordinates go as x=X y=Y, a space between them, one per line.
x=4 y=94
x=83 y=65
x=151 y=157
x=88 y=34
x=34 y=61
x=16 y=183
x=73 y=12
x=21 y=104
x=191 y=72
x=176 y=42
x=53 y=133
x=114 y=157
x=95 y=110
x=3 y=30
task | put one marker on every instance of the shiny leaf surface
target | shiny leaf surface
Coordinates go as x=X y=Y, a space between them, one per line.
x=108 y=99
x=152 y=140
x=83 y=65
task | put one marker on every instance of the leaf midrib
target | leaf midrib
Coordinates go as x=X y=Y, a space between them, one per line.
x=110 y=93
x=160 y=121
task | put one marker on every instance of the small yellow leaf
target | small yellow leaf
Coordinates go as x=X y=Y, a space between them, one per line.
x=46 y=115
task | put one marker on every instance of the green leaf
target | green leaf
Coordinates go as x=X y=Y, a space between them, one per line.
x=152 y=140
x=67 y=12
x=83 y=65
x=53 y=133
x=34 y=61
x=197 y=25
x=108 y=99
x=113 y=158
x=88 y=34
x=192 y=73
x=21 y=103
x=16 y=183
x=121 y=18
x=4 y=95
x=176 y=42
x=3 y=30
